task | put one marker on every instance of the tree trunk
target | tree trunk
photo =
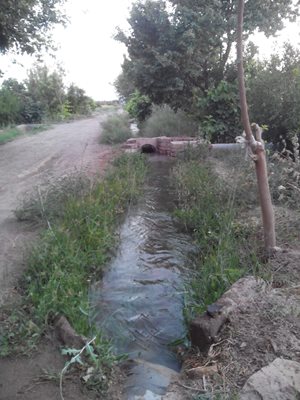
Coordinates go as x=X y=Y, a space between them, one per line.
x=256 y=144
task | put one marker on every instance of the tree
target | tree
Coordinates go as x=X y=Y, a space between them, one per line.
x=24 y=24
x=124 y=85
x=274 y=94
x=139 y=106
x=255 y=143
x=47 y=90
x=10 y=107
x=78 y=102
x=178 y=51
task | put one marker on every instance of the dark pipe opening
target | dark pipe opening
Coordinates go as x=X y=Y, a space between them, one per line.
x=148 y=148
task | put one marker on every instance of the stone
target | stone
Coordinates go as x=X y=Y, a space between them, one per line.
x=213 y=309
x=205 y=328
x=280 y=380
x=67 y=335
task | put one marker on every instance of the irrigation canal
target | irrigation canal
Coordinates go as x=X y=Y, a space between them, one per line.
x=139 y=302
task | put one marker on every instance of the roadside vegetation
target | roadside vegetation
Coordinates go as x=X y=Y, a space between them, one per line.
x=9 y=134
x=81 y=220
x=116 y=129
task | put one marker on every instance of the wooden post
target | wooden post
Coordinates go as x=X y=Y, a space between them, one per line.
x=256 y=144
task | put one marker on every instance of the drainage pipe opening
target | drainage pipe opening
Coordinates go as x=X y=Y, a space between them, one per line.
x=148 y=148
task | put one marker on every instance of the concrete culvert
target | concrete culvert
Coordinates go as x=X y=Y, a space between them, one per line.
x=148 y=148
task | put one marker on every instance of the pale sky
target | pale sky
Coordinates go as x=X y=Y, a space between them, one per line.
x=92 y=58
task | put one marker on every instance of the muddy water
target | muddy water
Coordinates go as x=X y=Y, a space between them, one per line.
x=140 y=300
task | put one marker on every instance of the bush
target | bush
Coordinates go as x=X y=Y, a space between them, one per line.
x=115 y=129
x=139 y=107
x=165 y=122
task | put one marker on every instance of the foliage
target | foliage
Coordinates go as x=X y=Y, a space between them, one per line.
x=219 y=114
x=274 y=95
x=78 y=102
x=165 y=122
x=24 y=24
x=42 y=96
x=285 y=174
x=124 y=87
x=115 y=129
x=206 y=209
x=139 y=106
x=10 y=107
x=178 y=51
x=46 y=89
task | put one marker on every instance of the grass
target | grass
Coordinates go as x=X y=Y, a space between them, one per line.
x=10 y=134
x=47 y=202
x=71 y=253
x=116 y=129
x=208 y=211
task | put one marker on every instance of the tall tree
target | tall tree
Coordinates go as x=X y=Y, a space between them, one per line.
x=24 y=24
x=178 y=50
x=255 y=143
x=46 y=89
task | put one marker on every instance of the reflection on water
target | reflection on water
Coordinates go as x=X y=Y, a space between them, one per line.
x=140 y=299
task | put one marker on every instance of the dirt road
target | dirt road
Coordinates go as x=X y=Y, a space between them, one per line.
x=24 y=163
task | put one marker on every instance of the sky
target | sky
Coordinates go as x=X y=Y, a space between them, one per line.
x=92 y=58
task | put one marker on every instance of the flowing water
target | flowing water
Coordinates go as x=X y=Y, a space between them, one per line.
x=139 y=302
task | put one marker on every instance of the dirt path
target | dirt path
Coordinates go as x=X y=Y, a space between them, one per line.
x=25 y=163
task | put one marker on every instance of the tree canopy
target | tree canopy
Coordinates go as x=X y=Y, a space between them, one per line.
x=178 y=50
x=24 y=23
x=178 y=47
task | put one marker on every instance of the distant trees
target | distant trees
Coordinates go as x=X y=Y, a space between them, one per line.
x=42 y=96
x=178 y=54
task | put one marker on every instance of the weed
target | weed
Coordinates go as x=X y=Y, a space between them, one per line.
x=72 y=252
x=207 y=210
x=9 y=134
x=116 y=129
x=48 y=201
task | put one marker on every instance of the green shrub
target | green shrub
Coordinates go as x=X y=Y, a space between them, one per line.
x=139 y=107
x=165 y=122
x=115 y=129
